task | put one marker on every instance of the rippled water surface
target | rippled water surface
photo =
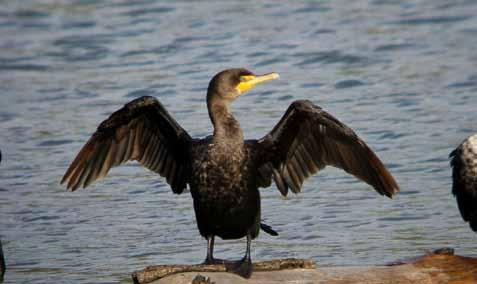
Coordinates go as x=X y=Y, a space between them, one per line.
x=401 y=73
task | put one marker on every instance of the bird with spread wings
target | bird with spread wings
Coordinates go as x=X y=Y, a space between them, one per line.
x=224 y=171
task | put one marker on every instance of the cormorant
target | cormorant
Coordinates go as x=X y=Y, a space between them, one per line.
x=464 y=179
x=3 y=267
x=2 y=259
x=224 y=171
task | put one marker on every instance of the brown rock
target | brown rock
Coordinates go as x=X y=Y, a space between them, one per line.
x=441 y=266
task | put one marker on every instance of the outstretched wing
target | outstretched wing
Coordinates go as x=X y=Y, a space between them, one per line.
x=306 y=140
x=464 y=179
x=142 y=130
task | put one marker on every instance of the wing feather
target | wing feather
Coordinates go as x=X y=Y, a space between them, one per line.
x=142 y=130
x=307 y=139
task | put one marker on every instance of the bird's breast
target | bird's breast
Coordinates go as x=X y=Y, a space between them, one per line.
x=220 y=168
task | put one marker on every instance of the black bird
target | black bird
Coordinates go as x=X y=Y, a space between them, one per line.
x=224 y=171
x=2 y=259
x=464 y=179
x=3 y=267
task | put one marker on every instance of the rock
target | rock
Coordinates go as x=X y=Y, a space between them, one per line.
x=199 y=279
x=152 y=273
x=440 y=266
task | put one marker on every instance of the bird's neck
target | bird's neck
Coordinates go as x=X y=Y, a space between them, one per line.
x=226 y=128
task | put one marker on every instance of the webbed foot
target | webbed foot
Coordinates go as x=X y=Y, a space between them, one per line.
x=242 y=267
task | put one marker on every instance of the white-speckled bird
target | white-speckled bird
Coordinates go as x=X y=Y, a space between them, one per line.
x=464 y=179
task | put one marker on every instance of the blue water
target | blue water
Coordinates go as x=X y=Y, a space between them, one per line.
x=401 y=73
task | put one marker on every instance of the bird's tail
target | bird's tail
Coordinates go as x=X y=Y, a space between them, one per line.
x=268 y=229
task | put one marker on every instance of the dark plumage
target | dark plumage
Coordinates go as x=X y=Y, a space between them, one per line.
x=2 y=259
x=224 y=171
x=2 y=262
x=464 y=179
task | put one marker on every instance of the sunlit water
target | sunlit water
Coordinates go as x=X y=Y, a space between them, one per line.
x=401 y=73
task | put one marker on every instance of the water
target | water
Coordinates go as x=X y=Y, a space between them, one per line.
x=401 y=73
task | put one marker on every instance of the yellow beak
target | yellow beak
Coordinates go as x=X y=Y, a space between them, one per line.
x=250 y=81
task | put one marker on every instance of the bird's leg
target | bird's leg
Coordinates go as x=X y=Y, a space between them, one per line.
x=247 y=257
x=244 y=266
x=210 y=252
x=210 y=249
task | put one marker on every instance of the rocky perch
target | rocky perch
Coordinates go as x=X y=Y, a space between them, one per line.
x=440 y=266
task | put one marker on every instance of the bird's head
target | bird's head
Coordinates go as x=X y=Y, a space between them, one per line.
x=231 y=83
